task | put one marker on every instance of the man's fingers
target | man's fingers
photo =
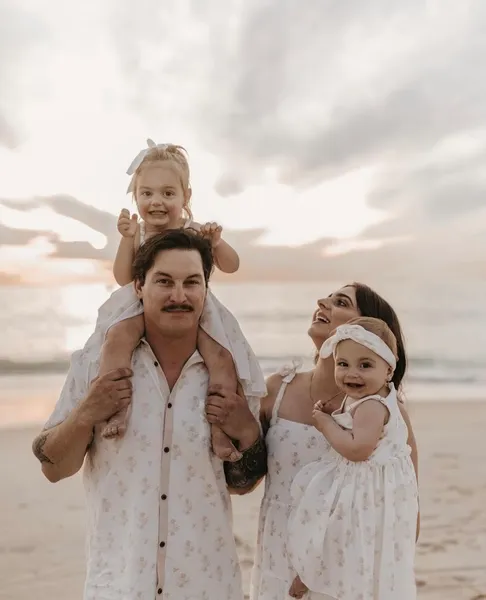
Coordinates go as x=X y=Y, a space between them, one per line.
x=214 y=403
x=217 y=414
x=117 y=374
x=123 y=384
x=216 y=390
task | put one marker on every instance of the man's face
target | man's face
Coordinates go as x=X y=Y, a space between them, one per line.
x=174 y=292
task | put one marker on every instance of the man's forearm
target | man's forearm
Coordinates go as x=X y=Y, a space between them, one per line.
x=61 y=450
x=243 y=475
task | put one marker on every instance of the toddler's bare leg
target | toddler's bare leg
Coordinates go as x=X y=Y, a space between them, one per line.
x=120 y=342
x=298 y=588
x=221 y=369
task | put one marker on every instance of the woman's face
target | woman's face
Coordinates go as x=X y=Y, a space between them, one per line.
x=337 y=309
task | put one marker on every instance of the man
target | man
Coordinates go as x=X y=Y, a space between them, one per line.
x=158 y=505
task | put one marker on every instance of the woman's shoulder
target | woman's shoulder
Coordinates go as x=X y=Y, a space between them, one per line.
x=285 y=374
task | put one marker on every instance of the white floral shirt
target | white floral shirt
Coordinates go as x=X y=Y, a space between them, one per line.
x=159 y=513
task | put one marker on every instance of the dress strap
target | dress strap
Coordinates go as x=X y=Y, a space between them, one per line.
x=287 y=372
x=187 y=223
x=355 y=405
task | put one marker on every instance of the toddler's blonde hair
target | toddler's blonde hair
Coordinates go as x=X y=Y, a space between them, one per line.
x=177 y=155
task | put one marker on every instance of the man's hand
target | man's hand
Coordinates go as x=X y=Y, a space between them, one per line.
x=106 y=396
x=231 y=412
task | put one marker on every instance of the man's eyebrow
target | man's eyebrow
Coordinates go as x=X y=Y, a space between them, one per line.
x=169 y=276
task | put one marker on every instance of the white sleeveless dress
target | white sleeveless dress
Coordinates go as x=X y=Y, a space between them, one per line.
x=216 y=320
x=352 y=530
x=291 y=446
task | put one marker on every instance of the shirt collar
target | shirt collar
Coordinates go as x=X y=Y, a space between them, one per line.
x=194 y=359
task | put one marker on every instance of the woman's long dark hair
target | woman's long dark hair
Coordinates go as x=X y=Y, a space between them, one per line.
x=371 y=304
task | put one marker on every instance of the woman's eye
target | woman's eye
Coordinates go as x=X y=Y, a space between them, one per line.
x=163 y=281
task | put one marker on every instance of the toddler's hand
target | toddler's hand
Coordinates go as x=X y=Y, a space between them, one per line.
x=212 y=232
x=127 y=226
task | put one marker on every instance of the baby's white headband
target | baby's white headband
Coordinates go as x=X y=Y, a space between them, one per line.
x=137 y=161
x=362 y=336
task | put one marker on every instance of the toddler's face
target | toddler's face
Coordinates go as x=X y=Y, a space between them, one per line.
x=359 y=372
x=160 y=196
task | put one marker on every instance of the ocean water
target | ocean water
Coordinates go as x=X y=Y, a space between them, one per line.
x=444 y=326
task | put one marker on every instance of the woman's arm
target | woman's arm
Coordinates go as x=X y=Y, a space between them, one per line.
x=357 y=444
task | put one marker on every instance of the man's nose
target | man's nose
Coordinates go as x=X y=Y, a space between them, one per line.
x=178 y=295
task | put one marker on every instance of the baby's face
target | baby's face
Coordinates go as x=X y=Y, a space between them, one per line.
x=160 y=196
x=359 y=372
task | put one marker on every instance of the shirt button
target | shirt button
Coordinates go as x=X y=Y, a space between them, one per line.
x=162 y=544
x=169 y=405
x=156 y=364
x=166 y=449
x=164 y=497
x=159 y=591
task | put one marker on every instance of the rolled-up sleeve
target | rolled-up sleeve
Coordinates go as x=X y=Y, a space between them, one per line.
x=73 y=391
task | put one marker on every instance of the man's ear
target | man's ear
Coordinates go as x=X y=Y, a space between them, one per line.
x=138 y=288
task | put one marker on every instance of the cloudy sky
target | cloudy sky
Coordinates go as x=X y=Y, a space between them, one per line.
x=350 y=137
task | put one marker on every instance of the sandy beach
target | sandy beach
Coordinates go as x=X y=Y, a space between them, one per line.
x=42 y=525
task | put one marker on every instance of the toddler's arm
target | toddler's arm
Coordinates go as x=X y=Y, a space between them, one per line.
x=356 y=444
x=128 y=227
x=225 y=256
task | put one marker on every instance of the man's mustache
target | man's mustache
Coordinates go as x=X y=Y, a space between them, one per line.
x=178 y=308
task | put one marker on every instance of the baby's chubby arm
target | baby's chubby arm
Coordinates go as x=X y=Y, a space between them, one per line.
x=357 y=444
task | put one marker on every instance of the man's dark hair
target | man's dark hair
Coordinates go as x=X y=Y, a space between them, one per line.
x=173 y=239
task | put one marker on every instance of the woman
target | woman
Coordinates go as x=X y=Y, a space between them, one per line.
x=292 y=441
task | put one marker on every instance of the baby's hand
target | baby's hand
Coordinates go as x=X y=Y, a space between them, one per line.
x=212 y=232
x=318 y=414
x=127 y=225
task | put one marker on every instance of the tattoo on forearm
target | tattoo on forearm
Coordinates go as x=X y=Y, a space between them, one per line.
x=38 y=448
x=251 y=467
